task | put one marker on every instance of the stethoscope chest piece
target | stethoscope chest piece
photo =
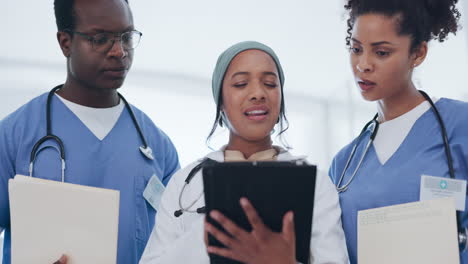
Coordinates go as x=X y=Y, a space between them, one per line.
x=144 y=149
x=147 y=152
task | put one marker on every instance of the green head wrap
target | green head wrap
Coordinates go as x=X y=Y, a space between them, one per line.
x=228 y=55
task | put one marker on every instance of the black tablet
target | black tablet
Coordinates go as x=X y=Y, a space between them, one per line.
x=273 y=188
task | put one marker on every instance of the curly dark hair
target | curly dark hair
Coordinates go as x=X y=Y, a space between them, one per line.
x=65 y=15
x=422 y=20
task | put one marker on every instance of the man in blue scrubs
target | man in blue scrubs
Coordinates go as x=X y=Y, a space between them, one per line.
x=97 y=38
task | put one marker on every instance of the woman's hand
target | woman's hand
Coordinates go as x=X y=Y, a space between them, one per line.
x=260 y=246
x=63 y=260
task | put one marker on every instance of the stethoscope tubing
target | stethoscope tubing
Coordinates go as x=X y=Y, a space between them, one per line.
x=61 y=147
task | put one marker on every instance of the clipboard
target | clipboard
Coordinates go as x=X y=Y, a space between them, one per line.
x=273 y=188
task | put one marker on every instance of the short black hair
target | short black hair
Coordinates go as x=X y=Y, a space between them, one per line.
x=422 y=20
x=65 y=15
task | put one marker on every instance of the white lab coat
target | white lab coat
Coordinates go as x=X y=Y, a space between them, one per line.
x=181 y=239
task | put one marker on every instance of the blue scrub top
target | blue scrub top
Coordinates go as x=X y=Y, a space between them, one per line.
x=113 y=163
x=398 y=180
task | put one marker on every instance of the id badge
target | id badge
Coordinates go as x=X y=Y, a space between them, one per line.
x=153 y=191
x=441 y=187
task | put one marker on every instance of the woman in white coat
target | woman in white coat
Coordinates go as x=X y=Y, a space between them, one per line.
x=248 y=90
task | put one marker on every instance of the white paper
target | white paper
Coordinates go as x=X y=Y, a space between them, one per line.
x=419 y=232
x=51 y=218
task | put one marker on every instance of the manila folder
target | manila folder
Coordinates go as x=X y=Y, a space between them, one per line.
x=50 y=218
x=412 y=233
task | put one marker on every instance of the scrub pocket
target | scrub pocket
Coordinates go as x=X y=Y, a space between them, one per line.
x=153 y=191
x=145 y=213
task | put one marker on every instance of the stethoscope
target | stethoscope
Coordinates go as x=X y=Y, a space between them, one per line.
x=144 y=149
x=187 y=209
x=206 y=162
x=373 y=125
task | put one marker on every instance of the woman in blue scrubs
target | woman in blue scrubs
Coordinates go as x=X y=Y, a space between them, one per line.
x=387 y=41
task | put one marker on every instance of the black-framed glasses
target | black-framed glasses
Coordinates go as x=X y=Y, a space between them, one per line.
x=103 y=42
